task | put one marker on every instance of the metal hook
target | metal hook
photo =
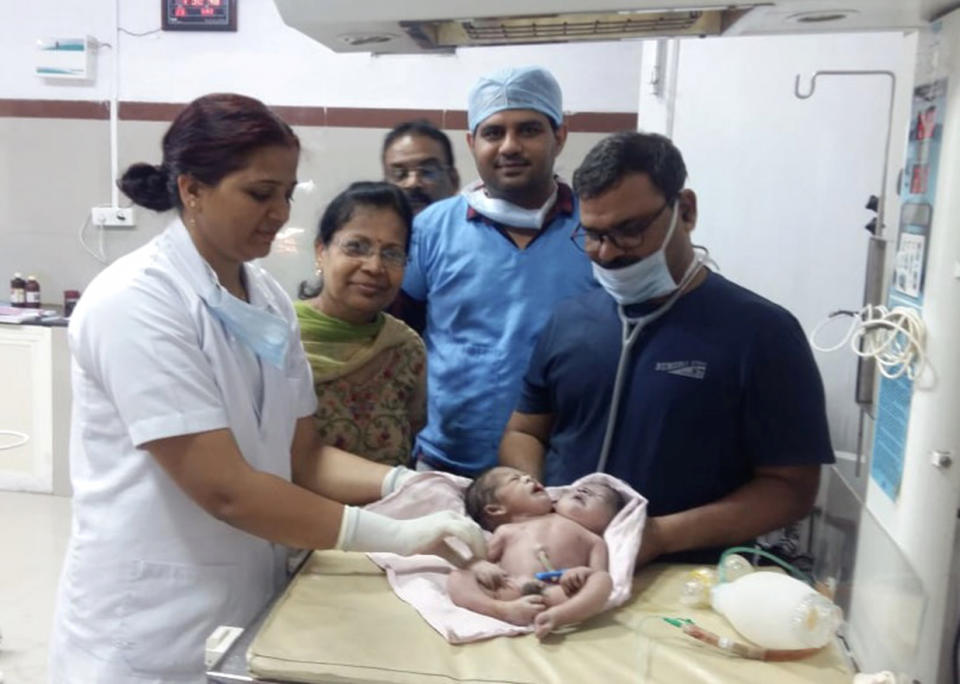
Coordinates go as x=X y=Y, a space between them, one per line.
x=886 y=148
x=796 y=87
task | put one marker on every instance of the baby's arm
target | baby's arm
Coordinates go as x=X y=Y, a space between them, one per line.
x=475 y=587
x=585 y=603
x=487 y=573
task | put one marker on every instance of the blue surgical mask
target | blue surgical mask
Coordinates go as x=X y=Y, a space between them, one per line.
x=646 y=279
x=268 y=335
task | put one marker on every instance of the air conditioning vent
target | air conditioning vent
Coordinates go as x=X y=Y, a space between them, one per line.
x=566 y=28
x=569 y=27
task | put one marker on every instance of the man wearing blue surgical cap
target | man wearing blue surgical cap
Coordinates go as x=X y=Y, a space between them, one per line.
x=490 y=264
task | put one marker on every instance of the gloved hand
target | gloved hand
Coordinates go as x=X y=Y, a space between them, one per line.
x=489 y=575
x=394 y=479
x=362 y=530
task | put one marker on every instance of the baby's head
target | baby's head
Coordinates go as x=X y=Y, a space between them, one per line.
x=505 y=494
x=593 y=505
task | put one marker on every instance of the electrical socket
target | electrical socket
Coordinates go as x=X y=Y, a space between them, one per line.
x=112 y=217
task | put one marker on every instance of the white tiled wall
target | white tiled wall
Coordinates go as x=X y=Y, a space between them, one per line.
x=62 y=169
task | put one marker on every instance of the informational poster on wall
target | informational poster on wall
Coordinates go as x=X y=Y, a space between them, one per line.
x=918 y=187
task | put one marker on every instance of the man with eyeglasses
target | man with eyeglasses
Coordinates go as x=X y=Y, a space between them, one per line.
x=701 y=394
x=417 y=157
x=490 y=265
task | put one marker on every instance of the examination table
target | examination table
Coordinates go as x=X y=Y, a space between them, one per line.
x=339 y=621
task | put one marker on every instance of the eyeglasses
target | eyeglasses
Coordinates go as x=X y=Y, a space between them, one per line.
x=624 y=237
x=392 y=257
x=428 y=172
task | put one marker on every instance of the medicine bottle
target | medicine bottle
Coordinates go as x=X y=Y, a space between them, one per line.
x=18 y=295
x=70 y=298
x=32 y=289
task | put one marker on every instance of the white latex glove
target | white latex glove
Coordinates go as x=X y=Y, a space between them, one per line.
x=394 y=479
x=362 y=530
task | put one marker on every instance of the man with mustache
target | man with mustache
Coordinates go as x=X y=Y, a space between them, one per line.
x=417 y=157
x=490 y=265
x=702 y=395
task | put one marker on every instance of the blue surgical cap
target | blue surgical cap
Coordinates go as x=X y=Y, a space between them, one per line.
x=528 y=87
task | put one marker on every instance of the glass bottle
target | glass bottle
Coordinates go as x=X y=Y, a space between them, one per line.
x=32 y=289
x=70 y=298
x=18 y=294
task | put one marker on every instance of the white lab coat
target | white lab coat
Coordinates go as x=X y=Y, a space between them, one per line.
x=148 y=574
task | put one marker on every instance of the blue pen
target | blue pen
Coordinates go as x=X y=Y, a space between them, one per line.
x=548 y=576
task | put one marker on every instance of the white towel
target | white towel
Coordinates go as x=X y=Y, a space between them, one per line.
x=421 y=581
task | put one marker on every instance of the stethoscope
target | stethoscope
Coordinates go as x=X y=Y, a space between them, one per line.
x=630 y=332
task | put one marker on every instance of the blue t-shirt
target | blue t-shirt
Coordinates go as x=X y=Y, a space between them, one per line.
x=720 y=384
x=487 y=302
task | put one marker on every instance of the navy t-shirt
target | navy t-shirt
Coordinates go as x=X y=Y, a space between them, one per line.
x=722 y=383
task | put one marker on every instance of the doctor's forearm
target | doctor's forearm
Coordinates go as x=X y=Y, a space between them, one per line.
x=209 y=468
x=765 y=503
x=272 y=508
x=524 y=441
x=523 y=452
x=339 y=475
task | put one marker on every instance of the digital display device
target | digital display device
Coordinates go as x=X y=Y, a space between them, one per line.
x=199 y=15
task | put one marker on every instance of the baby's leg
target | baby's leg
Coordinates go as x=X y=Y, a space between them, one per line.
x=507 y=603
x=554 y=595
x=586 y=603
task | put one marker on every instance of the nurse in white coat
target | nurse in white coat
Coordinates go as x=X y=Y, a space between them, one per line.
x=192 y=449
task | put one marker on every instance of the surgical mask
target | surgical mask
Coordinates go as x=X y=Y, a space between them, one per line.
x=267 y=334
x=507 y=213
x=644 y=280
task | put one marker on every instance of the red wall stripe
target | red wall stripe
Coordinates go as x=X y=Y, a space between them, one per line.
x=355 y=117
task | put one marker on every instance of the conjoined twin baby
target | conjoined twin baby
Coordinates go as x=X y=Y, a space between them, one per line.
x=547 y=561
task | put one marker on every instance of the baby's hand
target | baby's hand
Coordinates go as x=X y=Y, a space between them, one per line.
x=523 y=610
x=544 y=623
x=573 y=579
x=489 y=575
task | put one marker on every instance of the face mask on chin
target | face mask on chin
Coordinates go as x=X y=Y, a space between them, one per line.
x=505 y=212
x=266 y=334
x=643 y=280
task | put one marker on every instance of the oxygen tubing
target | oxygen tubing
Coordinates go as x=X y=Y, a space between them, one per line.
x=739 y=648
x=721 y=572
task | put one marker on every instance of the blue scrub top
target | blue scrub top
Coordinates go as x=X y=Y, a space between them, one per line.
x=487 y=302
x=722 y=383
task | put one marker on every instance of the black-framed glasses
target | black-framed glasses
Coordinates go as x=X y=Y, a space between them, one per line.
x=392 y=257
x=628 y=235
x=428 y=172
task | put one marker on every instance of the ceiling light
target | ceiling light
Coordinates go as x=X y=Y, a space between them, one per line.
x=366 y=38
x=821 y=16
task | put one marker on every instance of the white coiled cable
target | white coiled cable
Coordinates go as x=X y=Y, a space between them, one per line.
x=894 y=337
x=21 y=437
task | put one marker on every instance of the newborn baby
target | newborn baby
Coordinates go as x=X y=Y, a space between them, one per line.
x=533 y=535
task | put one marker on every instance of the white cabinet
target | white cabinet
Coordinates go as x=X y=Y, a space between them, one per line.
x=34 y=409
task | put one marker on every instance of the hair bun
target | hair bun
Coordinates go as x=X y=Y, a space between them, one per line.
x=148 y=186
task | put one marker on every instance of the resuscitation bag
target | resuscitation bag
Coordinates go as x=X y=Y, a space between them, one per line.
x=776 y=611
